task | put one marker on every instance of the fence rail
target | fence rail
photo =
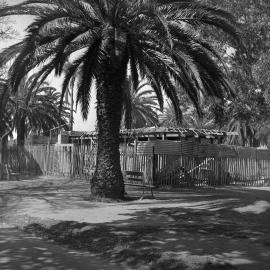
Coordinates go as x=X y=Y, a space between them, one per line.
x=206 y=165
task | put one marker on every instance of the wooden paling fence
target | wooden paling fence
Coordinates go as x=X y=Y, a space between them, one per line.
x=213 y=165
x=26 y=160
x=41 y=159
x=201 y=165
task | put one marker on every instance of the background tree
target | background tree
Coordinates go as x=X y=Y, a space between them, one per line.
x=140 y=106
x=6 y=31
x=3 y=102
x=190 y=118
x=167 y=118
x=37 y=109
x=7 y=113
x=248 y=69
x=157 y=40
x=248 y=119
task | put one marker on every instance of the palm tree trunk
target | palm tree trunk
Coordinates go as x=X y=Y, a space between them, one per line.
x=2 y=132
x=21 y=130
x=71 y=109
x=3 y=102
x=1 y=158
x=108 y=180
x=3 y=154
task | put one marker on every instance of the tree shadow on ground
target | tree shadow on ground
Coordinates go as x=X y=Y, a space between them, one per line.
x=56 y=192
x=192 y=229
x=209 y=235
x=20 y=251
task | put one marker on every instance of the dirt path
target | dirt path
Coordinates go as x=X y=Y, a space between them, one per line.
x=21 y=251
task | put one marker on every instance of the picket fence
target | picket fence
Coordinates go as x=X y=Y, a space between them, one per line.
x=209 y=165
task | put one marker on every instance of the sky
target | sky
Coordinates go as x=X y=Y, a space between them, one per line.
x=20 y=23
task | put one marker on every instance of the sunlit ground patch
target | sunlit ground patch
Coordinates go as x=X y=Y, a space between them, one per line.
x=257 y=207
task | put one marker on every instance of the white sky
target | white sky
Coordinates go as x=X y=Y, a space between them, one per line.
x=20 y=23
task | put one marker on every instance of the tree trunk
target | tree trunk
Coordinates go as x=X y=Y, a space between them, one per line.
x=71 y=109
x=4 y=96
x=21 y=130
x=108 y=180
x=1 y=159
x=3 y=155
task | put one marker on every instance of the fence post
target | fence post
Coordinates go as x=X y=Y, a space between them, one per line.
x=48 y=156
x=72 y=161
x=1 y=160
x=219 y=182
x=153 y=165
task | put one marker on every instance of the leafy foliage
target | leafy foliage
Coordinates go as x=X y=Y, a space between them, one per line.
x=6 y=30
x=248 y=69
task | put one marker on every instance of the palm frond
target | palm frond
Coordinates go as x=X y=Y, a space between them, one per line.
x=158 y=41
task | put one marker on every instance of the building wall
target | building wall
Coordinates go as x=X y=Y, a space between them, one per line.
x=170 y=147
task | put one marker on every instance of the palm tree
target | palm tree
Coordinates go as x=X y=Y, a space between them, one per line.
x=248 y=117
x=190 y=117
x=246 y=134
x=243 y=122
x=157 y=41
x=139 y=107
x=37 y=109
x=167 y=118
x=192 y=120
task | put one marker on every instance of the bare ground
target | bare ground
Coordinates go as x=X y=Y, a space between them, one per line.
x=224 y=228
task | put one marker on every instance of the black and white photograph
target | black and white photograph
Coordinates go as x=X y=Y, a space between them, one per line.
x=134 y=134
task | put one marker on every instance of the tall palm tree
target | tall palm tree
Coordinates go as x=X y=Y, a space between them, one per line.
x=157 y=41
x=139 y=107
x=37 y=109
